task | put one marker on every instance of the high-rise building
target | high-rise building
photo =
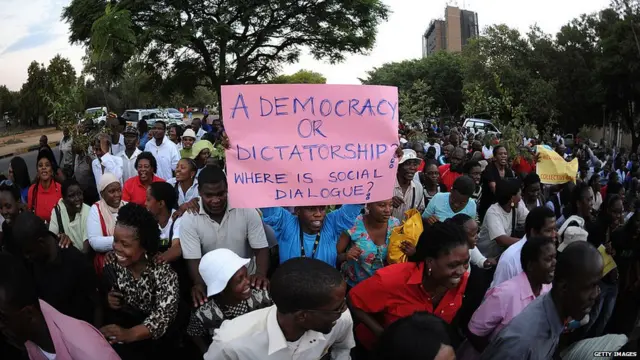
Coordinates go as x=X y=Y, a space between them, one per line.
x=452 y=33
x=434 y=38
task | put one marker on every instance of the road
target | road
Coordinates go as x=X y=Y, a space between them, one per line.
x=30 y=159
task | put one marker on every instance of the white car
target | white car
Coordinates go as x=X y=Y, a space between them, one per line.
x=150 y=116
x=99 y=114
x=481 y=126
x=174 y=114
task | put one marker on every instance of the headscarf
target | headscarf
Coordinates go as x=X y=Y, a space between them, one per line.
x=199 y=146
x=107 y=211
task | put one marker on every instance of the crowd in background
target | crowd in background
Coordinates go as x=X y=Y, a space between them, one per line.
x=128 y=249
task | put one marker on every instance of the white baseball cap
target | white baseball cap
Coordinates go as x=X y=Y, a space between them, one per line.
x=217 y=267
x=572 y=234
x=189 y=133
x=408 y=154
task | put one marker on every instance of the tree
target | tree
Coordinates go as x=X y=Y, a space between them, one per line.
x=503 y=54
x=203 y=96
x=33 y=106
x=9 y=101
x=617 y=30
x=60 y=83
x=442 y=72
x=230 y=41
x=301 y=77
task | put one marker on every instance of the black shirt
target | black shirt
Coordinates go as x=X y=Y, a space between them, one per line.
x=9 y=244
x=489 y=175
x=627 y=254
x=68 y=284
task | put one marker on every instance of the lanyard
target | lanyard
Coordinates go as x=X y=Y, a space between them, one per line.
x=315 y=245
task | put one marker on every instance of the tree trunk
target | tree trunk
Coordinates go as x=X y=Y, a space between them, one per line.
x=217 y=89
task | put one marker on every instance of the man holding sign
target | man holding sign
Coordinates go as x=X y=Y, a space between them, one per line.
x=329 y=144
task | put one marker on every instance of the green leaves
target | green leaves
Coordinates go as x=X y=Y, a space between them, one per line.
x=301 y=77
x=225 y=42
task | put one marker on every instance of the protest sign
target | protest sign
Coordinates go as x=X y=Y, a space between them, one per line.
x=553 y=169
x=302 y=145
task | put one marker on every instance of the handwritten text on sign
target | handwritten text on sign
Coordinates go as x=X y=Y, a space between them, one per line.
x=299 y=145
x=553 y=169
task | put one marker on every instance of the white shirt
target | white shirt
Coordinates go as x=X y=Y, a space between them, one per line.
x=167 y=156
x=200 y=134
x=487 y=152
x=413 y=198
x=119 y=147
x=509 y=265
x=476 y=258
x=165 y=231
x=191 y=193
x=112 y=164
x=496 y=223
x=257 y=335
x=66 y=147
x=98 y=242
x=435 y=145
x=129 y=164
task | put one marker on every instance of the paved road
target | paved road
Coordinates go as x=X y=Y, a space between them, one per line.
x=30 y=159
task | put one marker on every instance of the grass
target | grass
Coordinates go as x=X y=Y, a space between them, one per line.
x=13 y=141
x=11 y=132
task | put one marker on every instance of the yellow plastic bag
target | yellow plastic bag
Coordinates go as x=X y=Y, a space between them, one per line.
x=410 y=231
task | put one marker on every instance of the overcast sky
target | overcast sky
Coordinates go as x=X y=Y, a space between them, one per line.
x=32 y=30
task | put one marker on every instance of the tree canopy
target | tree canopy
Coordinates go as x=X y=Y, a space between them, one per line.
x=587 y=74
x=220 y=42
x=300 y=77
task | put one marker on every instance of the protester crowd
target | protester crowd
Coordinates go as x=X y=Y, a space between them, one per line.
x=128 y=249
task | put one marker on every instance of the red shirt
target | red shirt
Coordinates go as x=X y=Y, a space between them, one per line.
x=421 y=166
x=135 y=192
x=522 y=166
x=46 y=200
x=396 y=292
x=447 y=177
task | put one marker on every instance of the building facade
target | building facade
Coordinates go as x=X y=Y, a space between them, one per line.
x=452 y=33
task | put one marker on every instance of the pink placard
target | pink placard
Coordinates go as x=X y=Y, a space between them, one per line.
x=302 y=145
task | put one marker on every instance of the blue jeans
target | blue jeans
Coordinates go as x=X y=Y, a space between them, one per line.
x=601 y=312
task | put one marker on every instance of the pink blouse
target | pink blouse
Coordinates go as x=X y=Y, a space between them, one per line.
x=501 y=304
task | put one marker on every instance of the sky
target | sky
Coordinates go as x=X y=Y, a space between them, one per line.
x=33 y=30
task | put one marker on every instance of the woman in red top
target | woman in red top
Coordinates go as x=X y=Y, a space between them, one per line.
x=433 y=281
x=135 y=189
x=45 y=193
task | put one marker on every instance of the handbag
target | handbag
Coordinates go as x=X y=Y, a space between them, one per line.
x=410 y=231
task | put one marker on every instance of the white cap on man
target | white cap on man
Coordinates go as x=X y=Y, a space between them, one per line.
x=408 y=154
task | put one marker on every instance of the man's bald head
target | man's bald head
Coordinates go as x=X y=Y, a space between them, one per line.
x=576 y=280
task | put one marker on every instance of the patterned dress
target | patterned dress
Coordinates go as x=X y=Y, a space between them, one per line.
x=210 y=316
x=155 y=294
x=373 y=256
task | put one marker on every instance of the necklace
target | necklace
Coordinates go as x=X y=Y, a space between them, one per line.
x=315 y=245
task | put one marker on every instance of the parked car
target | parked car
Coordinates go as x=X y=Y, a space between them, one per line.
x=481 y=126
x=134 y=115
x=99 y=114
x=175 y=113
x=150 y=116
